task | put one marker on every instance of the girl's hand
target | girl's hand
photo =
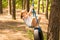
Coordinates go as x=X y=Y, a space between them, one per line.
x=31 y=8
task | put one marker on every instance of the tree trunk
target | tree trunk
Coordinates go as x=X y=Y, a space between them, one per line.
x=27 y=5
x=13 y=9
x=23 y=4
x=54 y=21
x=59 y=34
x=38 y=8
x=9 y=6
x=43 y=6
x=47 y=5
x=1 y=11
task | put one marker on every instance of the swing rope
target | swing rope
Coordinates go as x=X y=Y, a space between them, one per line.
x=40 y=34
x=34 y=12
x=34 y=15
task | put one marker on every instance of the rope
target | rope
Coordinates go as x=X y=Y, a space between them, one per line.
x=34 y=12
x=40 y=34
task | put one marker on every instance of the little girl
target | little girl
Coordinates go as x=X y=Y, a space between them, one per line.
x=29 y=19
x=31 y=22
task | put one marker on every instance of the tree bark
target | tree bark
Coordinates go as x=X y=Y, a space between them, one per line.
x=23 y=4
x=1 y=10
x=13 y=9
x=9 y=6
x=38 y=8
x=59 y=34
x=47 y=5
x=54 y=21
x=43 y=6
x=27 y=5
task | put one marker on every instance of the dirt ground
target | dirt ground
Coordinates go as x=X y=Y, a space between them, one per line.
x=16 y=29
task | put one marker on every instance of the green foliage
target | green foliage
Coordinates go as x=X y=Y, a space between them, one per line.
x=18 y=3
x=30 y=34
x=45 y=36
x=4 y=3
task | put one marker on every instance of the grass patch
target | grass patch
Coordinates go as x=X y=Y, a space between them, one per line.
x=45 y=36
x=31 y=35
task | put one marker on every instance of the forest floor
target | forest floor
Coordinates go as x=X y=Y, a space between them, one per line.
x=16 y=29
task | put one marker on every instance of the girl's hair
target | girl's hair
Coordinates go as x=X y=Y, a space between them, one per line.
x=21 y=15
x=22 y=12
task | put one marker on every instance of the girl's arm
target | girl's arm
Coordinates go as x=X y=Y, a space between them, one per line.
x=30 y=11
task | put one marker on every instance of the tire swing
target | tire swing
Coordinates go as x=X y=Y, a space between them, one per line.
x=38 y=35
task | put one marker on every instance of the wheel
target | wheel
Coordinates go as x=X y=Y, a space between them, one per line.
x=38 y=35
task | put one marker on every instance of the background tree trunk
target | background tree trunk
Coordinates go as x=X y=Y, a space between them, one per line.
x=1 y=10
x=54 y=21
x=59 y=34
x=38 y=8
x=23 y=4
x=9 y=6
x=47 y=5
x=27 y=5
x=43 y=6
x=13 y=9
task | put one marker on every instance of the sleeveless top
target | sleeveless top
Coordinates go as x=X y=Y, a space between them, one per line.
x=28 y=21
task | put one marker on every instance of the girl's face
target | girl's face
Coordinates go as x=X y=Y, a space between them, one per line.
x=24 y=14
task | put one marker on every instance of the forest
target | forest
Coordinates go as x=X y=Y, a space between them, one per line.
x=13 y=27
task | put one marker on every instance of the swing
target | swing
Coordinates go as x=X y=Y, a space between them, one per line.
x=38 y=35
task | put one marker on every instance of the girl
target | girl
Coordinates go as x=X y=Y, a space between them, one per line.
x=29 y=19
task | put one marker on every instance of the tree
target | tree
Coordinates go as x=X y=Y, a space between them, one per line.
x=27 y=5
x=9 y=6
x=23 y=4
x=13 y=9
x=59 y=34
x=38 y=8
x=47 y=5
x=54 y=21
x=1 y=11
x=43 y=6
